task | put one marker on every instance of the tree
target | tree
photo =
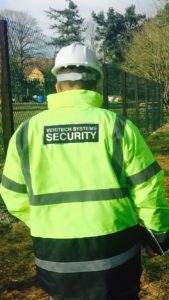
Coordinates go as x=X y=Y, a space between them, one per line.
x=68 y=25
x=114 y=31
x=90 y=35
x=50 y=80
x=148 y=55
x=26 y=41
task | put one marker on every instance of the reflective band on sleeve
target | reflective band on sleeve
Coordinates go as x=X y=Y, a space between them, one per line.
x=23 y=151
x=118 y=133
x=144 y=175
x=78 y=196
x=13 y=186
x=88 y=266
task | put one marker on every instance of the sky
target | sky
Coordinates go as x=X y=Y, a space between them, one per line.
x=36 y=8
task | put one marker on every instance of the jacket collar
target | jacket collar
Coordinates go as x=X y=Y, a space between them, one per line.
x=74 y=98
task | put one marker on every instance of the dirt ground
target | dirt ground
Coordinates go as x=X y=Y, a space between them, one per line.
x=17 y=269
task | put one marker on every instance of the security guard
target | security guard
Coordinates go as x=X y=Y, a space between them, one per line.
x=83 y=179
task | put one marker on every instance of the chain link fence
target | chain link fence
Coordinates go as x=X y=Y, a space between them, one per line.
x=26 y=80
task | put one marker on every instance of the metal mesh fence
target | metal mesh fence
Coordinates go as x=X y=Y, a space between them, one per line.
x=136 y=98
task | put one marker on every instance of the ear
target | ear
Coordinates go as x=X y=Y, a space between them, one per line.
x=58 y=88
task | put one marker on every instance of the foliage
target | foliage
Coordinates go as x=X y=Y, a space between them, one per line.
x=114 y=79
x=148 y=54
x=23 y=31
x=18 y=78
x=114 y=31
x=68 y=25
x=50 y=81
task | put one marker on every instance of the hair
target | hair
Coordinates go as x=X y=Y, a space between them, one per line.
x=87 y=85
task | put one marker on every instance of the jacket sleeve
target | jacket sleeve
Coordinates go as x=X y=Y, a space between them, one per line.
x=145 y=182
x=13 y=188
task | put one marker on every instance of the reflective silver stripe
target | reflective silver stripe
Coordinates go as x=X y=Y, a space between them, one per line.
x=88 y=266
x=144 y=175
x=76 y=76
x=23 y=151
x=78 y=196
x=13 y=186
x=118 y=133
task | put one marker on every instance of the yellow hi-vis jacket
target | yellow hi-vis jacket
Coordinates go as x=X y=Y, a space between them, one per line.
x=82 y=178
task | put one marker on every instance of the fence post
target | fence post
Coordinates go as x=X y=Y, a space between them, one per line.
x=146 y=97
x=161 y=105
x=137 y=100
x=105 y=86
x=5 y=90
x=154 y=110
x=123 y=92
x=158 y=106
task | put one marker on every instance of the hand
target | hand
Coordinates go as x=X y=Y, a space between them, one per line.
x=150 y=252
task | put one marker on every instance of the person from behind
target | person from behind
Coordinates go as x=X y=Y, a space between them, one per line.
x=84 y=180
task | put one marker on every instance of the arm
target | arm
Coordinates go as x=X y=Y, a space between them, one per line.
x=145 y=183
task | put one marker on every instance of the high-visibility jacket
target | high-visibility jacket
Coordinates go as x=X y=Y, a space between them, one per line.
x=82 y=179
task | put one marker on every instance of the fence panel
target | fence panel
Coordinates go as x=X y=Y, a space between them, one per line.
x=137 y=99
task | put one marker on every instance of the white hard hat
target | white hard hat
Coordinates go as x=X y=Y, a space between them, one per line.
x=78 y=55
